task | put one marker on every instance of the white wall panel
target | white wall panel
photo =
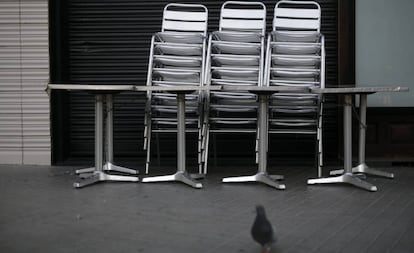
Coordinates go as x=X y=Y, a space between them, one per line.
x=24 y=73
x=384 y=54
x=11 y=139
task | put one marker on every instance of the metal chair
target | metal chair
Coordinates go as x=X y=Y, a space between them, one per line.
x=295 y=56
x=235 y=56
x=177 y=57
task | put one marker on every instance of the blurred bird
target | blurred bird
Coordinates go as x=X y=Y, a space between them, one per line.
x=262 y=231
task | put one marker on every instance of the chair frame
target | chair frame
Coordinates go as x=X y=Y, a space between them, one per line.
x=296 y=23
x=177 y=28
x=232 y=27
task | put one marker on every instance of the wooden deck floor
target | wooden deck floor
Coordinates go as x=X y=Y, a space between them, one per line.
x=41 y=212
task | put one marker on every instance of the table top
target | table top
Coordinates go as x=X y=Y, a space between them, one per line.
x=254 y=89
x=178 y=88
x=264 y=89
x=118 y=88
x=357 y=90
x=90 y=87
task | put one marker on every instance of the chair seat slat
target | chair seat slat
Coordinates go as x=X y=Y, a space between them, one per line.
x=244 y=13
x=172 y=25
x=286 y=23
x=298 y=13
x=185 y=15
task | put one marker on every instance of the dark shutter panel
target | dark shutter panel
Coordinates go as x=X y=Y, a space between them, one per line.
x=330 y=122
x=108 y=43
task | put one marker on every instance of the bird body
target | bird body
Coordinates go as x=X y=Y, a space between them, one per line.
x=262 y=231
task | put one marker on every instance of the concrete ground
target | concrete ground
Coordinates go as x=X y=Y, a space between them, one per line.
x=41 y=212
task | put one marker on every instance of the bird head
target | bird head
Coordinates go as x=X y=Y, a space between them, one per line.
x=260 y=210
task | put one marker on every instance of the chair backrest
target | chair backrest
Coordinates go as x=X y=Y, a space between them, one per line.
x=243 y=16
x=297 y=15
x=185 y=18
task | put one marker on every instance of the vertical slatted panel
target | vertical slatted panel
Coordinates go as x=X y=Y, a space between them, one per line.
x=108 y=42
x=10 y=84
x=34 y=77
x=24 y=72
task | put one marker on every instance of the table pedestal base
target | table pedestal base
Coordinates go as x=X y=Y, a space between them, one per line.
x=99 y=176
x=260 y=177
x=109 y=167
x=363 y=168
x=112 y=167
x=179 y=176
x=347 y=178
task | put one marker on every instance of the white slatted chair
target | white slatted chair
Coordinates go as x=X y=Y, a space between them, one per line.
x=296 y=57
x=177 y=57
x=235 y=56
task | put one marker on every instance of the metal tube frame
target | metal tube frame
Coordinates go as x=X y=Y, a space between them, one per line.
x=181 y=175
x=261 y=176
x=98 y=174
x=347 y=177
x=362 y=167
x=109 y=165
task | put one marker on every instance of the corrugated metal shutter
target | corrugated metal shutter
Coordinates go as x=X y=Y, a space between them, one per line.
x=10 y=84
x=330 y=30
x=24 y=72
x=108 y=42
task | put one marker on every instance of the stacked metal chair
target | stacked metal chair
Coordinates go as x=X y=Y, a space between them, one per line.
x=177 y=57
x=235 y=56
x=296 y=57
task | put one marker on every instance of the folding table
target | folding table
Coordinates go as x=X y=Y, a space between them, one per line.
x=181 y=174
x=349 y=175
x=263 y=92
x=362 y=167
x=98 y=172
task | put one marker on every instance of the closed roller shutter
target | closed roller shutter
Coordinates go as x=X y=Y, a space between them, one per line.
x=10 y=84
x=108 y=42
x=24 y=73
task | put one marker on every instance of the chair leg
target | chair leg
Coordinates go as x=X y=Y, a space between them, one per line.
x=215 y=149
x=145 y=131
x=206 y=151
x=148 y=151
x=320 y=151
x=320 y=158
x=200 y=150
x=157 y=136
x=257 y=146
x=202 y=146
x=317 y=156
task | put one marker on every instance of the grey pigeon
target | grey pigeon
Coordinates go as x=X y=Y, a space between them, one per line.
x=262 y=231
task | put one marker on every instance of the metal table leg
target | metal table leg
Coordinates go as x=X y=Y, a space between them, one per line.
x=181 y=175
x=109 y=166
x=98 y=175
x=348 y=177
x=261 y=176
x=85 y=170
x=363 y=167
